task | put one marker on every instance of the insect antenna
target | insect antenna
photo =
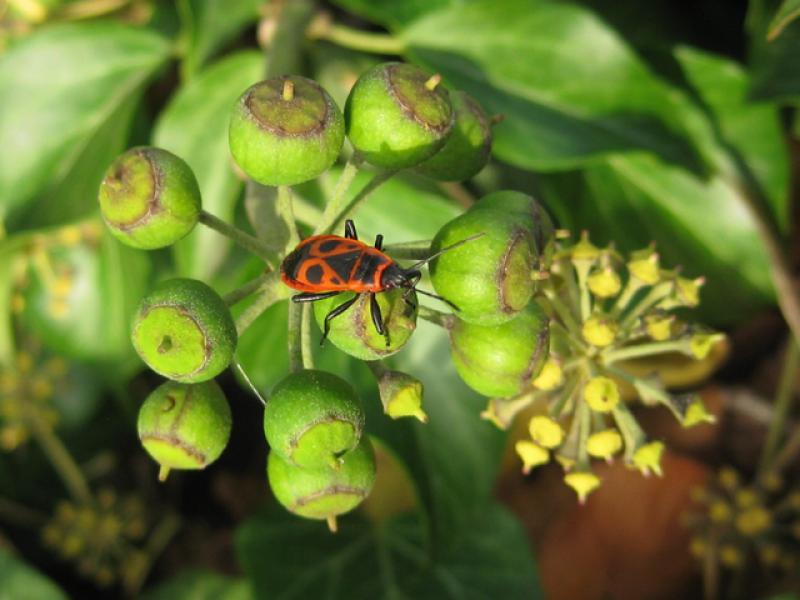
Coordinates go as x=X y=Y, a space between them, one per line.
x=443 y=250
x=445 y=300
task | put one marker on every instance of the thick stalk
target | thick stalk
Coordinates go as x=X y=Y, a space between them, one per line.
x=306 y=346
x=251 y=287
x=323 y=28
x=436 y=317
x=271 y=292
x=295 y=337
x=350 y=207
x=244 y=239
x=337 y=202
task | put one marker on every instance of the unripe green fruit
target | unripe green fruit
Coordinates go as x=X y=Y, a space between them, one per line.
x=149 y=198
x=185 y=426
x=313 y=418
x=323 y=493
x=398 y=115
x=467 y=148
x=285 y=131
x=489 y=278
x=534 y=215
x=184 y=331
x=501 y=360
x=354 y=332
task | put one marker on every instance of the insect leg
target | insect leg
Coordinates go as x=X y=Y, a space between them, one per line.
x=379 y=242
x=377 y=318
x=350 y=230
x=333 y=314
x=312 y=296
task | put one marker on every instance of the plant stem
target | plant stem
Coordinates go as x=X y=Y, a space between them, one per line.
x=244 y=239
x=295 y=323
x=783 y=402
x=271 y=292
x=59 y=456
x=19 y=514
x=156 y=544
x=374 y=183
x=334 y=208
x=251 y=287
x=286 y=215
x=322 y=28
x=457 y=192
x=419 y=250
x=640 y=350
x=436 y=317
x=308 y=353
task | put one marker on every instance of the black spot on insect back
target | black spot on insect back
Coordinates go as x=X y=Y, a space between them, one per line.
x=328 y=246
x=314 y=274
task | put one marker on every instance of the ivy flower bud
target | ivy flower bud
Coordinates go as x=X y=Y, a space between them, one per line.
x=398 y=115
x=720 y=512
x=659 y=326
x=285 y=131
x=700 y=344
x=644 y=266
x=489 y=278
x=323 y=493
x=531 y=454
x=550 y=377
x=731 y=556
x=585 y=251
x=401 y=395
x=688 y=290
x=647 y=458
x=313 y=419
x=501 y=361
x=601 y=394
x=546 y=431
x=729 y=479
x=184 y=426
x=466 y=150
x=753 y=521
x=605 y=283
x=604 y=444
x=183 y=330
x=696 y=413
x=149 y=198
x=583 y=482
x=354 y=332
x=599 y=331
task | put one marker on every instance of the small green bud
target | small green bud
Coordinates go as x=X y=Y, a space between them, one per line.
x=659 y=326
x=687 y=291
x=546 y=431
x=753 y=521
x=644 y=266
x=501 y=360
x=601 y=394
x=313 y=419
x=585 y=251
x=599 y=331
x=583 y=482
x=398 y=115
x=323 y=493
x=285 y=131
x=700 y=344
x=401 y=395
x=605 y=283
x=149 y=198
x=550 y=377
x=604 y=444
x=184 y=331
x=489 y=278
x=531 y=454
x=467 y=148
x=354 y=331
x=647 y=458
x=184 y=426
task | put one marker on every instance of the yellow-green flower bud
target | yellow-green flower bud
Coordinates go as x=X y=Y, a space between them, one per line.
x=753 y=521
x=644 y=266
x=647 y=458
x=605 y=283
x=747 y=498
x=401 y=395
x=601 y=394
x=688 y=290
x=599 y=331
x=546 y=431
x=698 y=547
x=700 y=344
x=583 y=482
x=532 y=455
x=730 y=556
x=604 y=444
x=659 y=326
x=728 y=478
x=769 y=554
x=550 y=377
x=696 y=413
x=585 y=250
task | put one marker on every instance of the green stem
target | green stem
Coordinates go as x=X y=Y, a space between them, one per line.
x=377 y=180
x=307 y=350
x=156 y=544
x=295 y=323
x=436 y=317
x=657 y=293
x=286 y=214
x=19 y=514
x=419 y=250
x=305 y=211
x=244 y=239
x=563 y=312
x=59 y=456
x=271 y=292
x=251 y=287
x=322 y=28
x=631 y=431
x=639 y=350
x=783 y=403
x=337 y=202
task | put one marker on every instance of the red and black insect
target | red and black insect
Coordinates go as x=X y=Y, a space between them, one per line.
x=323 y=266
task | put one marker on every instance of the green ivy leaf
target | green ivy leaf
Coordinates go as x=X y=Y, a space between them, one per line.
x=210 y=24
x=775 y=70
x=201 y=585
x=287 y=557
x=195 y=127
x=394 y=13
x=18 y=581
x=58 y=89
x=788 y=12
x=570 y=88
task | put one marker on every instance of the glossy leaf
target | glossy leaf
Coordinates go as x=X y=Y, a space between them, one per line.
x=392 y=13
x=58 y=88
x=200 y=585
x=788 y=12
x=18 y=581
x=287 y=557
x=195 y=127
x=570 y=88
x=210 y=24
x=775 y=70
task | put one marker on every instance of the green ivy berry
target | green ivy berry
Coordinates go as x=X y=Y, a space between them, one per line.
x=534 y=215
x=323 y=493
x=489 y=278
x=501 y=360
x=354 y=332
x=467 y=148
x=313 y=418
x=184 y=426
x=398 y=115
x=149 y=198
x=285 y=131
x=184 y=331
